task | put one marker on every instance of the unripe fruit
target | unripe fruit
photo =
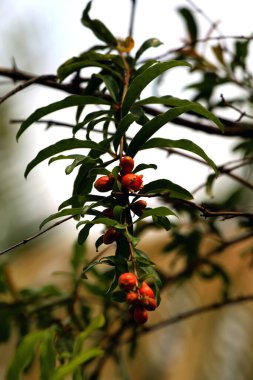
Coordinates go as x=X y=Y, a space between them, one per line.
x=132 y=298
x=149 y=303
x=145 y=290
x=104 y=183
x=127 y=281
x=132 y=182
x=126 y=164
x=138 y=207
x=110 y=235
x=140 y=315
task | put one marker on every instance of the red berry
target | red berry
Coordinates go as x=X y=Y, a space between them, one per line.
x=132 y=298
x=127 y=281
x=108 y=212
x=110 y=235
x=104 y=183
x=140 y=315
x=138 y=207
x=132 y=182
x=146 y=290
x=127 y=164
x=149 y=303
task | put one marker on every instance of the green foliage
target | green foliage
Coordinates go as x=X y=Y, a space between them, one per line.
x=126 y=123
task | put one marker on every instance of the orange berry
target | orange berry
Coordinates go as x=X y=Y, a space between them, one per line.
x=132 y=182
x=149 y=303
x=140 y=315
x=132 y=298
x=127 y=281
x=146 y=290
x=104 y=183
x=127 y=164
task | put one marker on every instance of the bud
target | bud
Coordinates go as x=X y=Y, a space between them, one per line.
x=132 y=182
x=138 y=207
x=110 y=235
x=127 y=281
x=140 y=315
x=145 y=290
x=104 y=183
x=126 y=164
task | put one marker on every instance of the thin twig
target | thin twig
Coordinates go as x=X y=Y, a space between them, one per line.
x=198 y=311
x=132 y=17
x=27 y=83
x=36 y=235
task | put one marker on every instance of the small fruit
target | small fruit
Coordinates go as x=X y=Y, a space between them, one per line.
x=146 y=290
x=132 y=182
x=104 y=183
x=108 y=212
x=127 y=281
x=140 y=315
x=110 y=235
x=126 y=164
x=138 y=207
x=132 y=298
x=149 y=303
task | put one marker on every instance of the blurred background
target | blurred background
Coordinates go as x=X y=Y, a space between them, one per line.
x=38 y=36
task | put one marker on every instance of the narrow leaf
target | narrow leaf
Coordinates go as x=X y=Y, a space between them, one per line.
x=69 y=101
x=151 y=42
x=142 y=80
x=66 y=369
x=122 y=128
x=176 y=102
x=181 y=144
x=98 y=28
x=164 y=186
x=71 y=211
x=61 y=146
x=157 y=211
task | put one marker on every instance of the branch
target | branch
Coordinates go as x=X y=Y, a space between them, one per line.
x=35 y=236
x=197 y=311
x=26 y=84
x=232 y=129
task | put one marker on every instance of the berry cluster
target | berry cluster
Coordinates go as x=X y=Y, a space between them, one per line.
x=140 y=299
x=129 y=181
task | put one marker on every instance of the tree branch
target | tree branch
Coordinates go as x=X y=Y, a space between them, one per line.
x=27 y=240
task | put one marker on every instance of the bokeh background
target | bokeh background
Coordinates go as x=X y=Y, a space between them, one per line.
x=37 y=36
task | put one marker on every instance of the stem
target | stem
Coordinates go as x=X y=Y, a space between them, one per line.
x=132 y=17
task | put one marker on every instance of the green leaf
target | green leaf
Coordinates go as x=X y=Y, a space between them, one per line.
x=162 y=221
x=157 y=211
x=61 y=146
x=96 y=324
x=84 y=233
x=69 y=101
x=151 y=42
x=190 y=22
x=69 y=157
x=47 y=354
x=71 y=211
x=76 y=64
x=181 y=144
x=91 y=116
x=176 y=102
x=164 y=186
x=80 y=199
x=24 y=355
x=141 y=167
x=143 y=79
x=66 y=369
x=77 y=256
x=123 y=126
x=111 y=85
x=98 y=28
x=106 y=221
